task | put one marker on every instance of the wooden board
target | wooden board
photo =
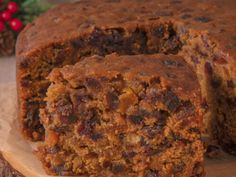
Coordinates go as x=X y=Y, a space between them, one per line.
x=11 y=159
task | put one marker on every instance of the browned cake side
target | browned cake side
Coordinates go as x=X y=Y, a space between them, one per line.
x=203 y=32
x=123 y=115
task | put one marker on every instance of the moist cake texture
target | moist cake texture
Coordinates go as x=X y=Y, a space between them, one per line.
x=203 y=32
x=125 y=115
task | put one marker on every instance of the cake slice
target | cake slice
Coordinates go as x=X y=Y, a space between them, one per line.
x=133 y=116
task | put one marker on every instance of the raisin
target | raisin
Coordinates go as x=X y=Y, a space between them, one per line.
x=114 y=39
x=216 y=83
x=203 y=19
x=208 y=68
x=112 y=99
x=25 y=81
x=117 y=168
x=171 y=63
x=93 y=84
x=96 y=136
x=139 y=41
x=171 y=101
x=59 y=170
x=194 y=130
x=178 y=167
x=87 y=127
x=121 y=136
x=107 y=164
x=95 y=37
x=93 y=155
x=129 y=155
x=151 y=173
x=195 y=60
x=32 y=117
x=187 y=109
x=161 y=117
x=24 y=64
x=61 y=129
x=136 y=119
x=186 y=16
x=72 y=118
x=231 y=84
x=154 y=131
x=77 y=43
x=142 y=141
x=152 y=152
x=172 y=45
x=43 y=89
x=159 y=32
x=155 y=80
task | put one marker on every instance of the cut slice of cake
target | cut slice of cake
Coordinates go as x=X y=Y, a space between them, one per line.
x=133 y=116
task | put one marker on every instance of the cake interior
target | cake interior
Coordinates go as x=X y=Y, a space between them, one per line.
x=115 y=127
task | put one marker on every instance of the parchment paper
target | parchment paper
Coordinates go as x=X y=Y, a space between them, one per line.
x=12 y=143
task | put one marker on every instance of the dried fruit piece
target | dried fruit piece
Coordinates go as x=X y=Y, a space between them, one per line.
x=171 y=101
x=52 y=138
x=117 y=168
x=136 y=119
x=208 y=68
x=203 y=19
x=112 y=100
x=127 y=99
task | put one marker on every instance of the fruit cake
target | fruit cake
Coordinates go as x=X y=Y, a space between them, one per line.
x=132 y=115
x=203 y=32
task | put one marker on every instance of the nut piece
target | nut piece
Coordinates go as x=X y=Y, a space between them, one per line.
x=52 y=138
x=127 y=99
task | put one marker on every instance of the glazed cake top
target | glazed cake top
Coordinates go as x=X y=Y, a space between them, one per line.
x=72 y=20
x=170 y=70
